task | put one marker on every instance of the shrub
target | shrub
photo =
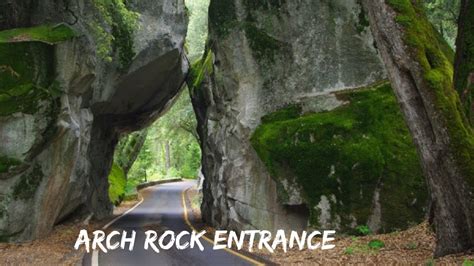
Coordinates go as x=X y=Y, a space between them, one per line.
x=376 y=244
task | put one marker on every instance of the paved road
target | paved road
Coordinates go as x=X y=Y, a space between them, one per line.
x=162 y=205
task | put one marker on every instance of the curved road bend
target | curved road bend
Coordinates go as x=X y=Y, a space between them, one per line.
x=162 y=208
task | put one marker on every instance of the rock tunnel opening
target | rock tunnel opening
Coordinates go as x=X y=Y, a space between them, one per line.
x=167 y=148
x=171 y=146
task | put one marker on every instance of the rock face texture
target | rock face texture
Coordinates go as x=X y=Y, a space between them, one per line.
x=264 y=56
x=63 y=105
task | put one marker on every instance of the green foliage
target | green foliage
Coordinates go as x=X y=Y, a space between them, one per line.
x=464 y=77
x=177 y=129
x=467 y=262
x=191 y=160
x=199 y=70
x=359 y=247
x=128 y=148
x=376 y=244
x=347 y=153
x=26 y=76
x=143 y=166
x=412 y=245
x=430 y=262
x=28 y=183
x=129 y=197
x=363 y=230
x=49 y=34
x=117 y=183
x=114 y=32
x=437 y=71
x=444 y=14
x=103 y=41
x=349 y=251
x=197 y=28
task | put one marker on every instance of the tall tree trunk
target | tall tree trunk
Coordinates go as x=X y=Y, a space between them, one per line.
x=464 y=62
x=421 y=76
x=129 y=149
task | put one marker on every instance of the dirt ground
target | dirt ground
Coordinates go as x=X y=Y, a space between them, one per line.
x=58 y=247
x=414 y=246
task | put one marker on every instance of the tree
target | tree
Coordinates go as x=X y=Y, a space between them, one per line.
x=464 y=62
x=197 y=28
x=171 y=147
x=444 y=15
x=129 y=148
x=418 y=63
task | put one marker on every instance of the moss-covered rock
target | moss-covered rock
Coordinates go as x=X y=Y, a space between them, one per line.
x=348 y=161
x=270 y=54
x=49 y=34
x=199 y=70
x=117 y=183
x=114 y=31
x=27 y=67
x=57 y=102
x=6 y=163
x=222 y=17
x=28 y=183
x=264 y=46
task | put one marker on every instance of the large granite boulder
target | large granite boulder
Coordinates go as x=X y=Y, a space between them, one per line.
x=264 y=57
x=70 y=83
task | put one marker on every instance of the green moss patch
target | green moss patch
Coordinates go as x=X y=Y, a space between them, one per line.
x=223 y=20
x=263 y=45
x=49 y=34
x=363 y=21
x=199 y=70
x=26 y=76
x=376 y=244
x=117 y=183
x=263 y=4
x=28 y=183
x=222 y=17
x=259 y=25
x=6 y=163
x=437 y=69
x=113 y=31
x=349 y=153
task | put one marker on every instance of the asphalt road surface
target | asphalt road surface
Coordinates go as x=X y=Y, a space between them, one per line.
x=162 y=209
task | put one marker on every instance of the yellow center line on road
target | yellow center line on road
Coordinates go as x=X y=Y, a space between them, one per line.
x=185 y=214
